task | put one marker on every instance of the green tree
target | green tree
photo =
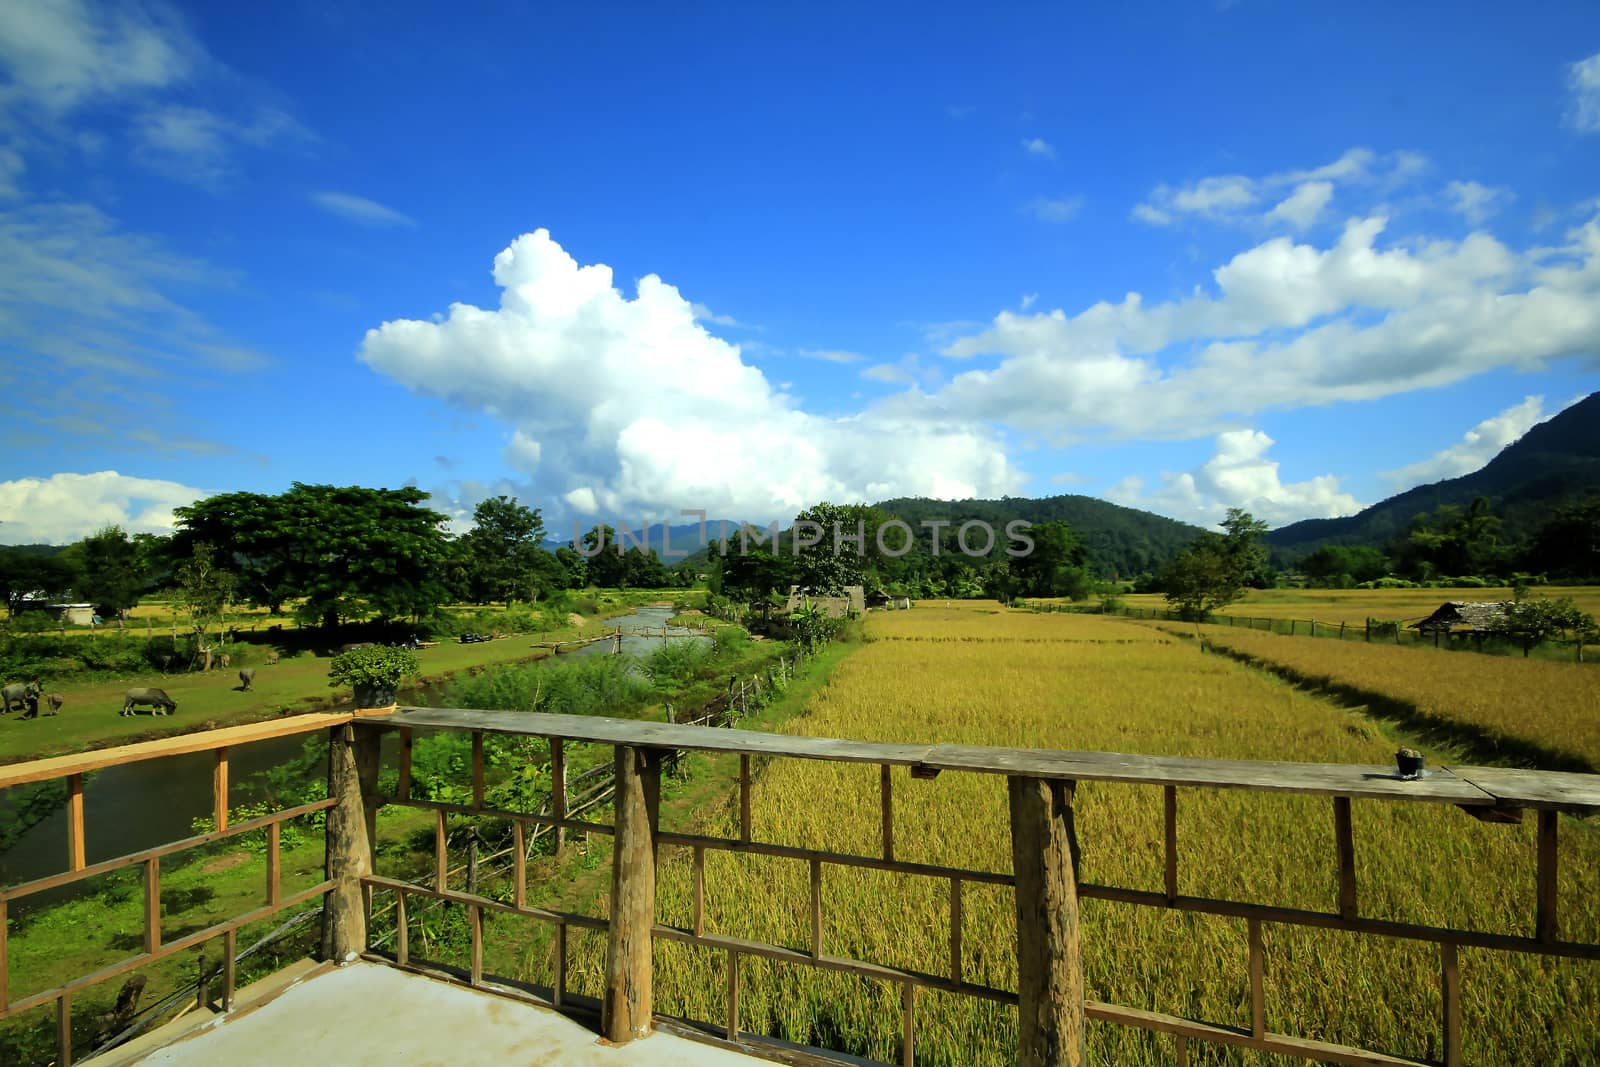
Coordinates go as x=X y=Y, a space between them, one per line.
x=1213 y=572
x=1342 y=566
x=205 y=593
x=837 y=559
x=1568 y=544
x=1056 y=564
x=752 y=577
x=347 y=552
x=110 y=575
x=504 y=552
x=607 y=569
x=26 y=575
x=1530 y=622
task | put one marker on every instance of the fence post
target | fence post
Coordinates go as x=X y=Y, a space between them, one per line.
x=626 y=1009
x=1049 y=968
x=350 y=827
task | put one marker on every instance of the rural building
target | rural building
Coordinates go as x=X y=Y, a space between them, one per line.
x=885 y=602
x=67 y=614
x=854 y=601
x=1474 y=616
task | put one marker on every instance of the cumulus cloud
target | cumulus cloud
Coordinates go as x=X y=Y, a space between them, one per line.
x=67 y=507
x=1477 y=446
x=359 y=209
x=1583 y=81
x=636 y=407
x=1038 y=146
x=1286 y=325
x=1475 y=202
x=1239 y=474
x=1298 y=196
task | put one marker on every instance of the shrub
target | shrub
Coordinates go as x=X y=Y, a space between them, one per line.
x=375 y=665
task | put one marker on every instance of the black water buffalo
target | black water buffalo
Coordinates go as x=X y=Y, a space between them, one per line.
x=246 y=676
x=19 y=693
x=160 y=703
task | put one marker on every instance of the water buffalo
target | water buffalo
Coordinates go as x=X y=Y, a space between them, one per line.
x=19 y=693
x=246 y=676
x=272 y=657
x=160 y=703
x=55 y=700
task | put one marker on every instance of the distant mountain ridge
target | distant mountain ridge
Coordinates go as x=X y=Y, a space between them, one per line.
x=1556 y=460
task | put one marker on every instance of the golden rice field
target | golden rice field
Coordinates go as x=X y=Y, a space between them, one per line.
x=1085 y=682
x=1357 y=605
x=1554 y=705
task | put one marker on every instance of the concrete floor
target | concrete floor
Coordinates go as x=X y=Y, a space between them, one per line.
x=369 y=1014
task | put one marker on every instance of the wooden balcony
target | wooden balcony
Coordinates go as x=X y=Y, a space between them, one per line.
x=1050 y=996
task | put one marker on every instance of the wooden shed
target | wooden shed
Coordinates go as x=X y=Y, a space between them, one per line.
x=1473 y=616
x=854 y=601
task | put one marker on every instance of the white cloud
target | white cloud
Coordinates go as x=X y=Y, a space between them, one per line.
x=832 y=355
x=705 y=314
x=1299 y=196
x=893 y=373
x=1028 y=300
x=360 y=209
x=1287 y=325
x=67 y=507
x=1302 y=207
x=1583 y=80
x=1038 y=146
x=1477 y=446
x=64 y=52
x=636 y=406
x=1059 y=209
x=523 y=452
x=1475 y=202
x=1239 y=475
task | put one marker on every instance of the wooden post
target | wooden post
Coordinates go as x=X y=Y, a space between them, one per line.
x=1546 y=924
x=1344 y=841
x=558 y=788
x=627 y=1006
x=1450 y=986
x=64 y=1030
x=744 y=797
x=352 y=781
x=403 y=786
x=477 y=768
x=1049 y=969
x=886 y=789
x=75 y=849
x=230 y=950
x=1170 y=826
x=152 y=905
x=219 y=790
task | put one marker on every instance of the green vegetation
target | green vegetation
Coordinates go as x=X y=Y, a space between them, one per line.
x=373 y=666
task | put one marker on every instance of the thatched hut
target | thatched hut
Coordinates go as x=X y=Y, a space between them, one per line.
x=1470 y=616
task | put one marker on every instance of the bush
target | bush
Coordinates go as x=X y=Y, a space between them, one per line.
x=373 y=665
x=679 y=661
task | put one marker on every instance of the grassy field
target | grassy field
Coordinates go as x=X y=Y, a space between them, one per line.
x=1513 y=710
x=1357 y=605
x=983 y=676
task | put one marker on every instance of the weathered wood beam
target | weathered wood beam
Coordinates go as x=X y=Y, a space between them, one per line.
x=1049 y=966
x=627 y=1007
x=352 y=780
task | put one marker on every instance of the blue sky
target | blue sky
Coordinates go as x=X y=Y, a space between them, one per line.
x=624 y=262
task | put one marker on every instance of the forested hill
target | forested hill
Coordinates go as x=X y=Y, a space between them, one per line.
x=1121 y=541
x=1555 y=461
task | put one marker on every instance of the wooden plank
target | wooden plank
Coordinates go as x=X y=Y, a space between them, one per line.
x=475 y=927
x=441 y=863
x=1344 y=842
x=1170 y=825
x=152 y=905
x=1559 y=790
x=744 y=798
x=230 y=952
x=477 y=768
x=274 y=864
x=699 y=891
x=75 y=845
x=219 y=790
x=558 y=789
x=561 y=964
x=402 y=929
x=626 y=1008
x=1317 y=779
x=886 y=796
x=1299 y=1047
x=873 y=863
x=816 y=909
x=195 y=741
x=663 y=735
x=519 y=864
x=733 y=995
x=1180 y=1052
x=908 y=1024
x=1051 y=1030
x=403 y=785
x=955 y=933
x=1258 y=964
x=1547 y=920
x=64 y=1030
x=1450 y=989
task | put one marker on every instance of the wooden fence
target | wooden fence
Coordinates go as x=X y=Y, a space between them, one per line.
x=1050 y=995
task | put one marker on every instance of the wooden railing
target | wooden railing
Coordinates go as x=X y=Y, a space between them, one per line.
x=1050 y=995
x=155 y=946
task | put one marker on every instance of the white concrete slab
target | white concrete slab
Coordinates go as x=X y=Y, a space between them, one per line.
x=368 y=1014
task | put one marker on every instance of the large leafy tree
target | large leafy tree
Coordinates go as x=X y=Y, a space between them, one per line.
x=111 y=574
x=504 y=552
x=346 y=551
x=1056 y=564
x=837 y=559
x=1569 y=542
x=205 y=593
x=25 y=574
x=1214 y=571
x=1528 y=622
x=607 y=569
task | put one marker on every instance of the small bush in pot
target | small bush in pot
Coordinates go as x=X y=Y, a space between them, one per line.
x=375 y=672
x=1409 y=761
